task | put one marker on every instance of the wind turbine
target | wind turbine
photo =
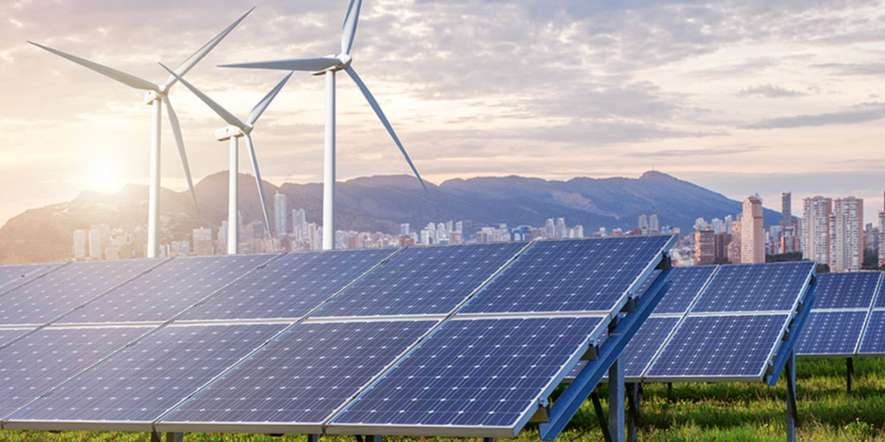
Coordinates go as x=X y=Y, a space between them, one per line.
x=329 y=66
x=237 y=129
x=155 y=96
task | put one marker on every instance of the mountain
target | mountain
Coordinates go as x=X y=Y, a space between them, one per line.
x=379 y=203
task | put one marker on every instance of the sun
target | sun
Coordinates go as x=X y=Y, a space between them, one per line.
x=103 y=175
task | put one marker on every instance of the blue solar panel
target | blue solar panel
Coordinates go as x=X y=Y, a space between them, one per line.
x=756 y=287
x=421 y=280
x=167 y=290
x=581 y=275
x=685 y=284
x=831 y=333
x=65 y=289
x=303 y=375
x=144 y=380
x=846 y=290
x=10 y=275
x=38 y=362
x=288 y=287
x=645 y=343
x=727 y=347
x=9 y=335
x=477 y=373
x=873 y=342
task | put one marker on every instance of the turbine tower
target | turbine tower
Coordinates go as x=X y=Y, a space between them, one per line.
x=237 y=129
x=329 y=66
x=155 y=96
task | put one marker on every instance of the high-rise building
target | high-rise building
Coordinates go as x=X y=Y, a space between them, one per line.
x=786 y=209
x=734 y=247
x=816 y=229
x=720 y=247
x=846 y=235
x=405 y=229
x=882 y=238
x=299 y=225
x=281 y=214
x=654 y=227
x=549 y=229
x=704 y=247
x=752 y=233
x=643 y=224
x=81 y=244
x=99 y=237
x=561 y=229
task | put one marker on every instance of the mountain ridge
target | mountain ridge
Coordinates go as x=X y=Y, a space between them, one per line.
x=378 y=203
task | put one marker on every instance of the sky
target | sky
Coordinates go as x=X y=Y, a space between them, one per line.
x=743 y=96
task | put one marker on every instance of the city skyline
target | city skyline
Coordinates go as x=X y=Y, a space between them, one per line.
x=757 y=123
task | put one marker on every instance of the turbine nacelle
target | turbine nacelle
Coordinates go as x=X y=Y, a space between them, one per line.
x=229 y=132
x=151 y=96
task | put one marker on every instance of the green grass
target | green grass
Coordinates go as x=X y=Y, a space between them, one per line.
x=697 y=412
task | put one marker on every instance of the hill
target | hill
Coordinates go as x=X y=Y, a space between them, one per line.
x=379 y=203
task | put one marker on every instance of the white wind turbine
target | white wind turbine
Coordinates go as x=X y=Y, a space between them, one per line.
x=329 y=66
x=237 y=129
x=155 y=96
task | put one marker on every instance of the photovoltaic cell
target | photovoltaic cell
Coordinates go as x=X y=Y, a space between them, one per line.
x=562 y=276
x=303 y=375
x=754 y=287
x=719 y=347
x=9 y=335
x=685 y=283
x=643 y=345
x=10 y=275
x=288 y=287
x=167 y=290
x=846 y=290
x=65 y=289
x=873 y=342
x=831 y=333
x=421 y=280
x=31 y=366
x=144 y=380
x=477 y=373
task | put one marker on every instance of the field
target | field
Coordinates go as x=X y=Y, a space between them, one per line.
x=696 y=412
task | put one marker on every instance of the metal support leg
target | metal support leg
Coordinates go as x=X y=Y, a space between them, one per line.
x=849 y=372
x=600 y=415
x=313 y=438
x=616 y=396
x=174 y=437
x=670 y=397
x=155 y=437
x=488 y=439
x=792 y=410
x=634 y=393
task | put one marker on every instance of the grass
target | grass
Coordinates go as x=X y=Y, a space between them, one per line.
x=697 y=412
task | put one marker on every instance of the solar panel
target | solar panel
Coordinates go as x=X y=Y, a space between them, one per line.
x=421 y=280
x=831 y=333
x=9 y=335
x=167 y=290
x=724 y=347
x=645 y=343
x=873 y=342
x=685 y=284
x=288 y=287
x=9 y=275
x=46 y=298
x=755 y=287
x=571 y=276
x=31 y=366
x=140 y=382
x=481 y=373
x=846 y=290
x=301 y=377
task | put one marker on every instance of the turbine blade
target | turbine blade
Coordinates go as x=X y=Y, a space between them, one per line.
x=262 y=105
x=179 y=141
x=228 y=117
x=257 y=172
x=127 y=79
x=201 y=53
x=350 y=25
x=299 y=64
x=377 y=108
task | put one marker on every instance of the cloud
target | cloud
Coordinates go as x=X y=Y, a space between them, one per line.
x=853 y=68
x=715 y=151
x=856 y=115
x=769 y=91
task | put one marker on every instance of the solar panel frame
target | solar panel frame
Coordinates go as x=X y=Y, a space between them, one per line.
x=16 y=421
x=830 y=282
x=874 y=327
x=838 y=316
x=699 y=308
x=33 y=271
x=495 y=431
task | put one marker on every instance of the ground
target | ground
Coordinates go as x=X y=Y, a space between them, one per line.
x=697 y=412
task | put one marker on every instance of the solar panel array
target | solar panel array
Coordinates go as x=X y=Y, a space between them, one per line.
x=304 y=343
x=847 y=316
x=718 y=323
